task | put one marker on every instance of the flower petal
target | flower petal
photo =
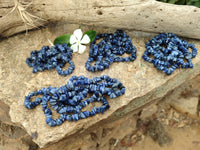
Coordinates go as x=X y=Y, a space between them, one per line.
x=73 y=39
x=78 y=34
x=74 y=47
x=81 y=48
x=85 y=39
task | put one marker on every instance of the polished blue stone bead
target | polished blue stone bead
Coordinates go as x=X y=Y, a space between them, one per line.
x=63 y=97
x=92 y=113
x=70 y=85
x=69 y=109
x=82 y=116
x=62 y=110
x=44 y=106
x=47 y=112
x=53 y=90
x=75 y=117
x=98 y=110
x=113 y=95
x=48 y=120
x=72 y=102
x=69 y=118
x=190 y=64
x=53 y=101
x=61 y=118
x=118 y=93
x=123 y=90
x=59 y=122
x=86 y=113
x=28 y=105
x=52 y=123
x=188 y=56
x=102 y=110
x=167 y=71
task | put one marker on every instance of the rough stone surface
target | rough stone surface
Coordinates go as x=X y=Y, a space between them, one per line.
x=13 y=137
x=4 y=113
x=186 y=98
x=141 y=15
x=148 y=111
x=105 y=137
x=143 y=82
x=186 y=105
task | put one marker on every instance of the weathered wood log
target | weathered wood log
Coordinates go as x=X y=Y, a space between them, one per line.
x=144 y=84
x=146 y=15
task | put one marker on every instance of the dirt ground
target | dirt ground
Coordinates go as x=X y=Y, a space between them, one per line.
x=164 y=135
x=183 y=139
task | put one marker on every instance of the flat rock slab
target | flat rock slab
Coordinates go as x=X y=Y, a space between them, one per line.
x=143 y=83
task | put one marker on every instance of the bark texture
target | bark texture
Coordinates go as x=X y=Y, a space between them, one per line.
x=140 y=15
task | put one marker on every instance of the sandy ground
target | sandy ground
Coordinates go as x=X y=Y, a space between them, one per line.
x=183 y=139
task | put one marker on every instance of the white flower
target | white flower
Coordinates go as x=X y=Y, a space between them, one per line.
x=76 y=40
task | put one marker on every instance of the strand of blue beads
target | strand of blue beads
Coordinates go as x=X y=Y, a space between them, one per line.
x=52 y=57
x=70 y=99
x=167 y=52
x=105 y=52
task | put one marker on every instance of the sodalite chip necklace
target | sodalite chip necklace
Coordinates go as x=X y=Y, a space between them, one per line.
x=52 y=57
x=70 y=99
x=169 y=53
x=107 y=50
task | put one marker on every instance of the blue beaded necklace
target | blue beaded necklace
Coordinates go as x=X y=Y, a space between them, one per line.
x=52 y=57
x=106 y=51
x=169 y=53
x=70 y=99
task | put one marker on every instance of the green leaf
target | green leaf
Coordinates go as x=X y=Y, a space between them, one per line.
x=181 y=2
x=194 y=0
x=162 y=0
x=172 y=1
x=189 y=3
x=197 y=4
x=91 y=34
x=63 y=39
